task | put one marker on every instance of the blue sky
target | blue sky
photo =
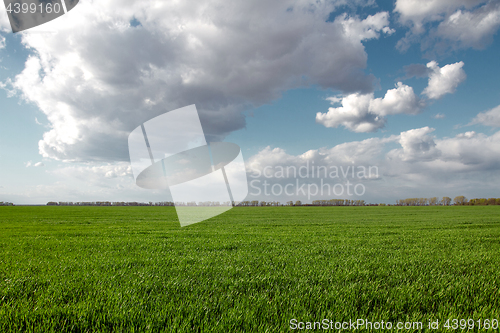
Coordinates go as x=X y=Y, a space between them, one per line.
x=263 y=76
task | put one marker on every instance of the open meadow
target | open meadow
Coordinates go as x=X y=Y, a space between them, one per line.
x=134 y=269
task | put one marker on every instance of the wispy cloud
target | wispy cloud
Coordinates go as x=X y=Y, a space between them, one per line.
x=488 y=118
x=36 y=165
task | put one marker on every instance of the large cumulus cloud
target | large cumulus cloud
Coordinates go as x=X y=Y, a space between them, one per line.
x=100 y=76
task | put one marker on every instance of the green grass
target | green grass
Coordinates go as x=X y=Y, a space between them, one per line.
x=133 y=269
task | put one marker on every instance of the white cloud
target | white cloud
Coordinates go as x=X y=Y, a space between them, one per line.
x=439 y=116
x=422 y=165
x=357 y=152
x=488 y=118
x=416 y=12
x=462 y=23
x=4 y=21
x=97 y=172
x=444 y=80
x=471 y=28
x=99 y=77
x=368 y=28
x=2 y=42
x=470 y=156
x=36 y=165
x=472 y=151
x=364 y=113
x=354 y=114
x=417 y=145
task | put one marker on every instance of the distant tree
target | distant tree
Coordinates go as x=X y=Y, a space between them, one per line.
x=422 y=201
x=433 y=201
x=460 y=200
x=298 y=203
x=446 y=201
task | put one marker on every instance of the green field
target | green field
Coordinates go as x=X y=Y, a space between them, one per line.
x=133 y=269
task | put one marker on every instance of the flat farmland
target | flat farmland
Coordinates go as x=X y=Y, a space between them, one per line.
x=254 y=269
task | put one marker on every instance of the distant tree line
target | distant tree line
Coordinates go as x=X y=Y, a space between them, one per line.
x=122 y=203
x=2 y=203
x=331 y=202
x=434 y=201
x=109 y=203
x=205 y=203
x=256 y=203
x=338 y=202
x=446 y=201
x=484 y=202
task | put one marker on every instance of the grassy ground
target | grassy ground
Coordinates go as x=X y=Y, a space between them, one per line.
x=71 y=269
